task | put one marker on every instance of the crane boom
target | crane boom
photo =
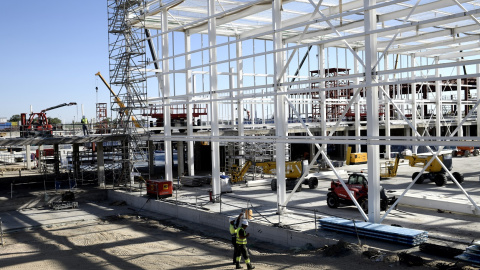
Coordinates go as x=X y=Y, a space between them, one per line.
x=117 y=99
x=58 y=106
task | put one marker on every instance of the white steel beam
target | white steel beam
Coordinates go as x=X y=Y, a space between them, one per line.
x=300 y=19
x=458 y=46
x=238 y=13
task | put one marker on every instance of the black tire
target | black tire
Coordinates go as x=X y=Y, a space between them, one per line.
x=383 y=205
x=466 y=153
x=454 y=153
x=332 y=200
x=313 y=183
x=299 y=188
x=273 y=184
x=476 y=152
x=420 y=179
x=459 y=177
x=440 y=179
x=364 y=204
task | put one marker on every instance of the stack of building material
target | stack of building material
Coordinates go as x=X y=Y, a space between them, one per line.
x=372 y=230
x=471 y=254
x=194 y=181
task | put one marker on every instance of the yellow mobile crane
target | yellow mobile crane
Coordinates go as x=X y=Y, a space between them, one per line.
x=117 y=99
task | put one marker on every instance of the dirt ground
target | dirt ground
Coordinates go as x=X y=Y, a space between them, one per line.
x=136 y=242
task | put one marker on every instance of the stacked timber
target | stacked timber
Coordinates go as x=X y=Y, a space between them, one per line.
x=379 y=231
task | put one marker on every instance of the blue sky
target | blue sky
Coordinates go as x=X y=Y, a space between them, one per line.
x=51 y=51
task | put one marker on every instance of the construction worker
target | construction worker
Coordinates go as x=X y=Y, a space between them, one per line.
x=234 y=222
x=84 y=125
x=242 y=246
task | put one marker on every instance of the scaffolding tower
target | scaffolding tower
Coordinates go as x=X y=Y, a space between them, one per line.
x=127 y=72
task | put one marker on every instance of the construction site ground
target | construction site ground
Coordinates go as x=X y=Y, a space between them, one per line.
x=109 y=235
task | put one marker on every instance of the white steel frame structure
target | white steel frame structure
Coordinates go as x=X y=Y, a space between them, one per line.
x=413 y=64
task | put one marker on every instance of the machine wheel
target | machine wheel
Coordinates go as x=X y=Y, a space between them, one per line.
x=364 y=205
x=383 y=205
x=273 y=184
x=420 y=179
x=466 y=153
x=332 y=200
x=299 y=188
x=313 y=183
x=458 y=176
x=476 y=152
x=454 y=153
x=440 y=179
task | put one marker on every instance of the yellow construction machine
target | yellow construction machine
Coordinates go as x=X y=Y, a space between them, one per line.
x=293 y=172
x=117 y=99
x=390 y=168
x=435 y=171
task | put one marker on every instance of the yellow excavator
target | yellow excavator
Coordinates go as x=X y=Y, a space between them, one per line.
x=293 y=172
x=117 y=100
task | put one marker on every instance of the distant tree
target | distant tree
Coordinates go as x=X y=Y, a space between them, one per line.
x=15 y=118
x=54 y=121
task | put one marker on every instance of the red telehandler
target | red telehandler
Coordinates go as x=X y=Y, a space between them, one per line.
x=37 y=124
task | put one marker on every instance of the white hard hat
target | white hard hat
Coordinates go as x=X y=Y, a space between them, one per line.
x=245 y=222
x=230 y=219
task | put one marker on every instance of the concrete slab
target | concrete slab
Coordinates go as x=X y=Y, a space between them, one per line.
x=37 y=217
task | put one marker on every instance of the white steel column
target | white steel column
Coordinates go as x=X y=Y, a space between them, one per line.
x=240 y=127
x=189 y=90
x=356 y=107
x=438 y=101
x=413 y=87
x=166 y=100
x=212 y=41
x=323 y=105
x=372 y=113
x=28 y=154
x=232 y=95
x=280 y=111
x=459 y=102
x=387 y=109
x=478 y=96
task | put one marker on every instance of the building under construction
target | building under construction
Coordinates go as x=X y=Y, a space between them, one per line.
x=222 y=83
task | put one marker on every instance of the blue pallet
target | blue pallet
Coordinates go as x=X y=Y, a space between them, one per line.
x=379 y=231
